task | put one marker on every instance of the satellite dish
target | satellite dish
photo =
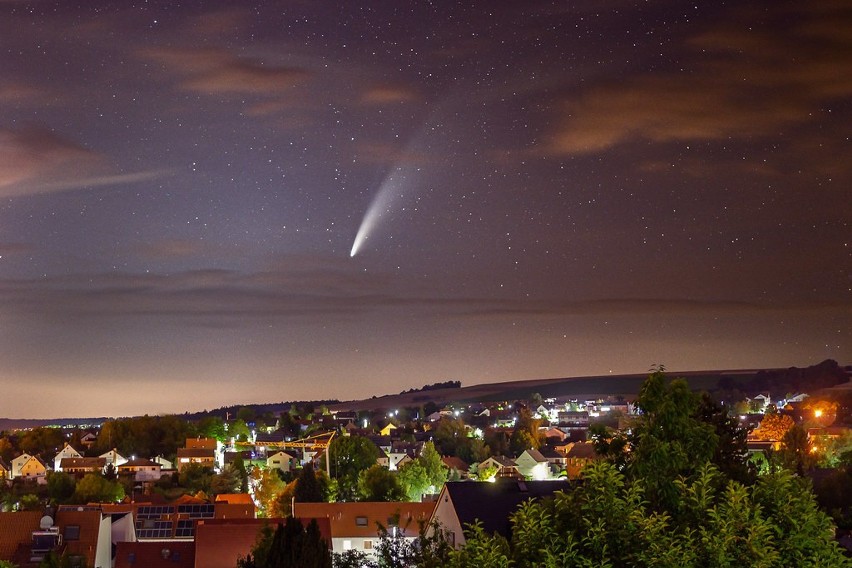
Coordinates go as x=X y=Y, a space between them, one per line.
x=46 y=522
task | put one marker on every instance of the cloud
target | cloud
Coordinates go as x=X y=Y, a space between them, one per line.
x=170 y=249
x=382 y=95
x=216 y=72
x=319 y=292
x=19 y=93
x=35 y=160
x=743 y=80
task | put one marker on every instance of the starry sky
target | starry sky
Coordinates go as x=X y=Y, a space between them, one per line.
x=213 y=203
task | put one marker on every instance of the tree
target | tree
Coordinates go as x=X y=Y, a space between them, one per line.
x=292 y=545
x=60 y=486
x=242 y=474
x=226 y=481
x=311 y=487
x=664 y=503
x=731 y=451
x=211 y=427
x=7 y=449
x=605 y=521
x=773 y=427
x=195 y=477
x=481 y=549
x=424 y=474
x=41 y=441
x=110 y=472
x=94 y=488
x=526 y=435
x=377 y=483
x=267 y=486
x=350 y=455
x=667 y=439
x=796 y=450
x=451 y=438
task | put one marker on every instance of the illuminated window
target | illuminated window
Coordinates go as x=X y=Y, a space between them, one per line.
x=368 y=545
x=347 y=545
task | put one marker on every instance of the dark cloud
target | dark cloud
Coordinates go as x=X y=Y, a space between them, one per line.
x=747 y=79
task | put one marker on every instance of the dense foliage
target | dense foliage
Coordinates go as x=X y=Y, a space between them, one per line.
x=291 y=545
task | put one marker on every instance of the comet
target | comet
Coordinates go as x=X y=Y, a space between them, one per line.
x=382 y=205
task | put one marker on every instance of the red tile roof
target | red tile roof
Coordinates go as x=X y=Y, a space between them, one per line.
x=345 y=517
x=16 y=529
x=173 y=554
x=219 y=542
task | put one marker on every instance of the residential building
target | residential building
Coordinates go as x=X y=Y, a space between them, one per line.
x=282 y=460
x=532 y=465
x=141 y=469
x=81 y=466
x=462 y=503
x=355 y=525
x=66 y=452
x=84 y=536
x=29 y=467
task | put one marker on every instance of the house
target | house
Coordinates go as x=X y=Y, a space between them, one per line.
x=457 y=467
x=282 y=460
x=88 y=440
x=26 y=537
x=141 y=469
x=355 y=525
x=201 y=456
x=176 y=520
x=555 y=433
x=164 y=463
x=574 y=418
x=532 y=465
x=401 y=453
x=556 y=459
x=579 y=455
x=114 y=458
x=5 y=470
x=462 y=503
x=83 y=465
x=505 y=467
x=29 y=467
x=66 y=452
x=387 y=430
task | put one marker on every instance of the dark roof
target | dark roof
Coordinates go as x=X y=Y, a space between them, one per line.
x=87 y=463
x=492 y=503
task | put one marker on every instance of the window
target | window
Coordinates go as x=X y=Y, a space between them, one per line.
x=72 y=532
x=347 y=545
x=368 y=545
x=361 y=521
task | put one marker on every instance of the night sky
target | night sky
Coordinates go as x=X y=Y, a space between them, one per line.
x=538 y=189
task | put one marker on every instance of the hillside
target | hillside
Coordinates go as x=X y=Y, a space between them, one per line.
x=726 y=383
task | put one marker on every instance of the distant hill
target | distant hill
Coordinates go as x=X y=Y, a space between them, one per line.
x=827 y=377
x=732 y=384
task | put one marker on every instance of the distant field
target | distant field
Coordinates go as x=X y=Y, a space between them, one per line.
x=575 y=387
